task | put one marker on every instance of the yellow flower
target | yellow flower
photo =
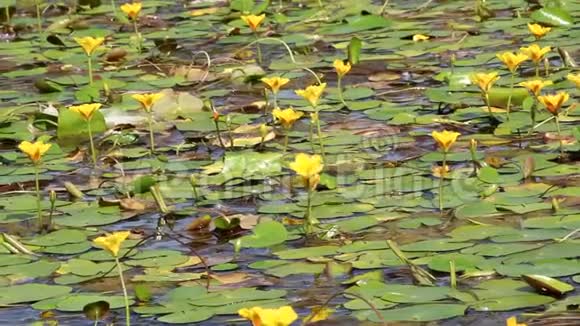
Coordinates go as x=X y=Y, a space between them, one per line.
x=553 y=103
x=575 y=79
x=89 y=43
x=535 y=86
x=538 y=30
x=132 y=10
x=512 y=321
x=112 y=242
x=275 y=83
x=35 y=150
x=283 y=316
x=512 y=61
x=420 y=37
x=147 y=100
x=309 y=168
x=86 y=110
x=484 y=81
x=534 y=52
x=445 y=139
x=253 y=21
x=286 y=117
x=312 y=93
x=440 y=171
x=341 y=67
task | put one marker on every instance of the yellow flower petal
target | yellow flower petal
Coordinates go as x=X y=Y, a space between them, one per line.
x=86 y=110
x=535 y=86
x=112 y=242
x=575 y=79
x=147 y=100
x=445 y=139
x=538 y=30
x=484 y=81
x=283 y=316
x=512 y=61
x=35 y=150
x=275 y=83
x=420 y=37
x=534 y=52
x=554 y=102
x=307 y=165
x=286 y=117
x=132 y=10
x=89 y=44
x=312 y=93
x=341 y=67
x=253 y=21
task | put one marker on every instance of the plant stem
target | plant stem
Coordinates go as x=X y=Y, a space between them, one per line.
x=275 y=94
x=320 y=3
x=309 y=222
x=319 y=133
x=340 y=95
x=219 y=134
x=127 y=310
x=151 y=135
x=533 y=115
x=311 y=135
x=90 y=64
x=559 y=136
x=114 y=6
x=258 y=48
x=37 y=186
x=384 y=7
x=441 y=179
x=38 y=18
x=7 y=13
x=537 y=70
x=137 y=35
x=286 y=140
x=509 y=103
x=93 y=152
x=486 y=94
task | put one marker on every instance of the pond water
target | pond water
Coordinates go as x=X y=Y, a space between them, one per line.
x=392 y=242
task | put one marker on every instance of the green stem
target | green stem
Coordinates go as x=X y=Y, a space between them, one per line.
x=537 y=70
x=340 y=94
x=38 y=18
x=319 y=133
x=486 y=94
x=151 y=135
x=309 y=222
x=93 y=152
x=286 y=140
x=90 y=64
x=258 y=48
x=219 y=135
x=137 y=35
x=37 y=186
x=533 y=115
x=384 y=7
x=275 y=99
x=7 y=13
x=311 y=135
x=559 y=136
x=96 y=319
x=509 y=103
x=127 y=310
x=441 y=179
x=320 y=3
